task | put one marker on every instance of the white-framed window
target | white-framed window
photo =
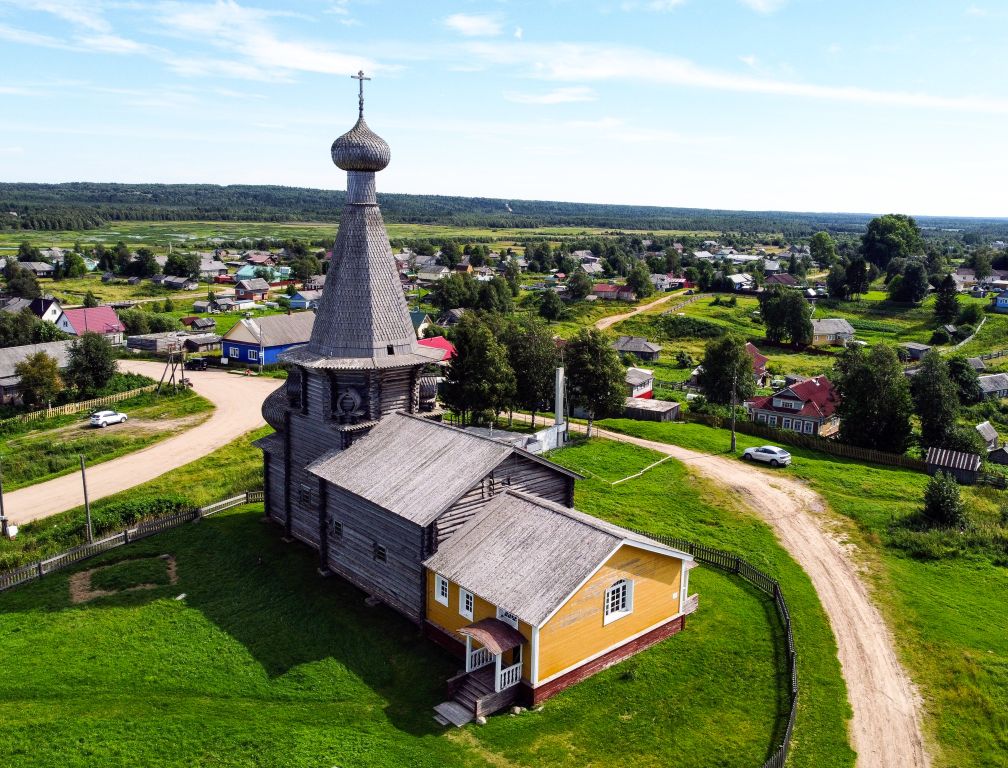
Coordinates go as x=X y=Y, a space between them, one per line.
x=772 y=421
x=507 y=617
x=440 y=589
x=234 y=352
x=466 y=603
x=253 y=354
x=809 y=427
x=786 y=423
x=618 y=601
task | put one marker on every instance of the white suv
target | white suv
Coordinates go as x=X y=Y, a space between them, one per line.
x=104 y=418
x=775 y=457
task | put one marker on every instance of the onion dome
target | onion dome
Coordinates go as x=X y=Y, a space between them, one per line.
x=361 y=149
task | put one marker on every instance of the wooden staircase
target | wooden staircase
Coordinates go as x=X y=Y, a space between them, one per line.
x=472 y=695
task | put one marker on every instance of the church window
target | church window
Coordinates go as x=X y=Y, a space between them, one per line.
x=379 y=553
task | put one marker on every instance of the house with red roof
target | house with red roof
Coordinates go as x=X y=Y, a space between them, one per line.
x=441 y=343
x=611 y=292
x=100 y=320
x=807 y=406
x=759 y=361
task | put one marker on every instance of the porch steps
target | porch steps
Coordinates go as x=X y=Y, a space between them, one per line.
x=454 y=713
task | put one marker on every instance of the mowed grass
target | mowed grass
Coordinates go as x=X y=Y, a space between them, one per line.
x=949 y=617
x=33 y=453
x=263 y=663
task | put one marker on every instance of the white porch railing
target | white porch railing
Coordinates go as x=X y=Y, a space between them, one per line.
x=509 y=676
x=479 y=657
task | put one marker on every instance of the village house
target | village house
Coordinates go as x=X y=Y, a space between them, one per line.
x=101 y=320
x=421 y=322
x=639 y=383
x=176 y=283
x=782 y=278
x=592 y=268
x=639 y=347
x=831 y=331
x=259 y=258
x=914 y=350
x=254 y=289
x=38 y=268
x=261 y=340
x=433 y=273
x=808 y=406
x=988 y=434
x=999 y=303
x=741 y=282
x=663 y=283
x=315 y=283
x=451 y=317
x=471 y=538
x=211 y=268
x=47 y=309
x=613 y=292
x=305 y=299
x=269 y=274
x=994 y=385
x=650 y=409
x=440 y=343
x=11 y=357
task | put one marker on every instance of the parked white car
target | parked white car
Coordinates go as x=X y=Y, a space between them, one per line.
x=770 y=454
x=104 y=418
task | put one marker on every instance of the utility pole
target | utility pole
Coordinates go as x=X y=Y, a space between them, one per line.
x=3 y=517
x=734 y=384
x=87 y=504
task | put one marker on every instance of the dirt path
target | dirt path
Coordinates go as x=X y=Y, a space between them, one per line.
x=611 y=320
x=238 y=401
x=886 y=724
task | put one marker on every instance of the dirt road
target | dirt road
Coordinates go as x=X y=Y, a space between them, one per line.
x=238 y=401
x=886 y=724
x=607 y=322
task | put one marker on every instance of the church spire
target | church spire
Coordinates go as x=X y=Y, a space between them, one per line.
x=362 y=320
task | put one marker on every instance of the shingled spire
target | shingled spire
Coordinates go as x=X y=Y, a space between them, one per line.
x=362 y=320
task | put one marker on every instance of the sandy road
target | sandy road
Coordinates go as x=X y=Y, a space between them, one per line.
x=237 y=402
x=886 y=725
x=611 y=320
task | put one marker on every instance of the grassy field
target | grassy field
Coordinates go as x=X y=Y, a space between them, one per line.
x=32 y=453
x=264 y=664
x=947 y=615
x=160 y=233
x=71 y=291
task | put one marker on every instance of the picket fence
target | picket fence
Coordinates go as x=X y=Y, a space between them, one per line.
x=36 y=570
x=84 y=405
x=812 y=442
x=732 y=563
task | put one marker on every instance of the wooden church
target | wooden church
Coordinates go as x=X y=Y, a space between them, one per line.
x=471 y=538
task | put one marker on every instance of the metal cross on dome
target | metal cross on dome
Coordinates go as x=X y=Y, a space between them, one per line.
x=360 y=99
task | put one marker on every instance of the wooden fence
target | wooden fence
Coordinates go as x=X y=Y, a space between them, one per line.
x=812 y=442
x=732 y=563
x=40 y=568
x=84 y=405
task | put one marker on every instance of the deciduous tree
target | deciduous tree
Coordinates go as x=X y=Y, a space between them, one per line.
x=786 y=315
x=40 y=379
x=943 y=506
x=533 y=357
x=875 y=405
x=595 y=374
x=726 y=365
x=639 y=279
x=936 y=399
x=966 y=379
x=894 y=235
x=551 y=306
x=479 y=379
x=822 y=246
x=91 y=364
x=579 y=284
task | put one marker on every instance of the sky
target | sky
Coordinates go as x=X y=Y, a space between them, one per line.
x=807 y=105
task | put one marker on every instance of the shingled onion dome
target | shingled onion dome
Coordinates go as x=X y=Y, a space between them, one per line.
x=361 y=149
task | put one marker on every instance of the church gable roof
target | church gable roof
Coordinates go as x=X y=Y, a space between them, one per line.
x=415 y=468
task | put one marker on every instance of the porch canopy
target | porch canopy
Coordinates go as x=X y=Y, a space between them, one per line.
x=494 y=635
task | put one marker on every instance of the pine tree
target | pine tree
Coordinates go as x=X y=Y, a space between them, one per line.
x=946 y=308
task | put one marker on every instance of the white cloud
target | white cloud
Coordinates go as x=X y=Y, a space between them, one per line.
x=108 y=43
x=11 y=150
x=80 y=13
x=749 y=60
x=655 y=6
x=519 y=32
x=474 y=25
x=256 y=50
x=557 y=96
x=764 y=6
x=975 y=10
x=15 y=35
x=834 y=48
x=573 y=62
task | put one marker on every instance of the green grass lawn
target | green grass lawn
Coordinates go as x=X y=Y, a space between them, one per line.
x=35 y=452
x=265 y=664
x=948 y=616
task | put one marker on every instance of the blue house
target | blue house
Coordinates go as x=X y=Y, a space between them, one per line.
x=260 y=340
x=305 y=299
x=1000 y=302
x=276 y=273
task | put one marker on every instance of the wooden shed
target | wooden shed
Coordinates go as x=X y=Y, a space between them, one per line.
x=649 y=409
x=964 y=467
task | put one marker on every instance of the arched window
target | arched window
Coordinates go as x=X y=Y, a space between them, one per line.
x=618 y=600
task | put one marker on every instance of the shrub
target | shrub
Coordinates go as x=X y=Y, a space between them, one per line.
x=943 y=506
x=971 y=314
x=965 y=331
x=940 y=336
x=681 y=326
x=684 y=359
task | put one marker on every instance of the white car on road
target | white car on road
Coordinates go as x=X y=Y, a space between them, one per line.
x=772 y=455
x=104 y=418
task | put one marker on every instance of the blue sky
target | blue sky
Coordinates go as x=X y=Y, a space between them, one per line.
x=755 y=104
